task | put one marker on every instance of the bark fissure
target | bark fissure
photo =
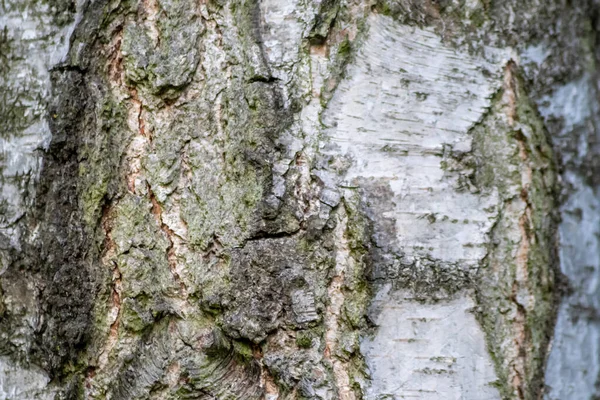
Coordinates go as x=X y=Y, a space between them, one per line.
x=114 y=315
x=333 y=312
x=297 y=200
x=170 y=235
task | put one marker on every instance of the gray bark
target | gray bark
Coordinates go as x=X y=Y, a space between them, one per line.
x=333 y=199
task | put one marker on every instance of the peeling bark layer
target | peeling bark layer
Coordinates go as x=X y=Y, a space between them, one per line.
x=281 y=199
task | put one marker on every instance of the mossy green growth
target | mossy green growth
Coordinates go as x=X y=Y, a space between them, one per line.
x=164 y=64
x=228 y=211
x=99 y=159
x=516 y=284
x=304 y=340
x=344 y=48
x=355 y=306
x=132 y=318
x=243 y=350
x=328 y=11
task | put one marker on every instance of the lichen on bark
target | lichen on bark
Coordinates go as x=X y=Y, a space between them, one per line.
x=268 y=199
x=518 y=274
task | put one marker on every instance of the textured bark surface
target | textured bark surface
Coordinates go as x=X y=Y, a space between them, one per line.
x=333 y=199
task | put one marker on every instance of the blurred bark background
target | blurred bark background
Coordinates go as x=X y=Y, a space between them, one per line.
x=296 y=199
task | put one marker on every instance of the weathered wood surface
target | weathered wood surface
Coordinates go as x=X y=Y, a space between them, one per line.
x=329 y=199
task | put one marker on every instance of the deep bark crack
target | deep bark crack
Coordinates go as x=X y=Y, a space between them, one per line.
x=116 y=290
x=333 y=312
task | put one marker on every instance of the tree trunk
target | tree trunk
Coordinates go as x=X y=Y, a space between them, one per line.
x=327 y=199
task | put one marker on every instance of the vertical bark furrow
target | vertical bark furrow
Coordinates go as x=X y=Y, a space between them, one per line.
x=297 y=199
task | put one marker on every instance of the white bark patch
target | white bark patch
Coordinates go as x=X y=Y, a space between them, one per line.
x=573 y=365
x=427 y=351
x=283 y=24
x=38 y=45
x=573 y=102
x=18 y=383
x=407 y=101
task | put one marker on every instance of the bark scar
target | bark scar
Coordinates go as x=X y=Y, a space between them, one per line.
x=115 y=295
x=520 y=284
x=171 y=237
x=334 y=310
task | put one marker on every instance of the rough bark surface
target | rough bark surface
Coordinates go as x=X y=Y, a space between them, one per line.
x=333 y=199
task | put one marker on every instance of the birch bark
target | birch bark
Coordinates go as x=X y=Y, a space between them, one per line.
x=333 y=199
